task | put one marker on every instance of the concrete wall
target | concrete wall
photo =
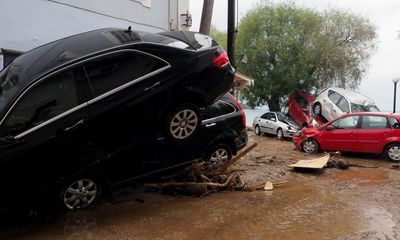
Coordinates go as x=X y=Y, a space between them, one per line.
x=25 y=24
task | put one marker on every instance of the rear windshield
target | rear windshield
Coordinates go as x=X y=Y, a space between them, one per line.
x=360 y=108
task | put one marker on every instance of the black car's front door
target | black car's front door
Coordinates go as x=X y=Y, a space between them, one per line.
x=43 y=136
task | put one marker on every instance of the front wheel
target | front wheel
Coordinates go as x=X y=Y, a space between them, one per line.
x=310 y=146
x=183 y=122
x=279 y=134
x=80 y=193
x=220 y=154
x=317 y=109
x=392 y=152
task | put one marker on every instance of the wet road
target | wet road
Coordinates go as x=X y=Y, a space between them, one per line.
x=360 y=203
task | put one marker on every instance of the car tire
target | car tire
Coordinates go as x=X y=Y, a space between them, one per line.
x=257 y=130
x=317 y=109
x=392 y=152
x=279 y=134
x=183 y=122
x=220 y=153
x=310 y=146
x=80 y=193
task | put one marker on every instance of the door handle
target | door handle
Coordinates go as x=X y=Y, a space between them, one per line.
x=211 y=125
x=75 y=125
x=152 y=86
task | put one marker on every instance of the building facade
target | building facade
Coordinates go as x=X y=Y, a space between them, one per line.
x=28 y=24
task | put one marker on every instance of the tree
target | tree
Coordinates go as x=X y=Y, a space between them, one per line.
x=219 y=36
x=290 y=48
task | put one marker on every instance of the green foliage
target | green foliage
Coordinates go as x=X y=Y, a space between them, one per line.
x=290 y=48
x=219 y=36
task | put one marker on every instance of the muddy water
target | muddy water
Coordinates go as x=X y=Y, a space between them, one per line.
x=359 y=203
x=296 y=211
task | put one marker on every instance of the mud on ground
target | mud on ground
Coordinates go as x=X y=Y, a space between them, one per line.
x=358 y=203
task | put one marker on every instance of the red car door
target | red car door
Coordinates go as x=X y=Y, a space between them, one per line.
x=372 y=133
x=342 y=137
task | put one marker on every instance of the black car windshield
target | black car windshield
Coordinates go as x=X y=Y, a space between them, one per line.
x=283 y=118
x=8 y=86
x=360 y=108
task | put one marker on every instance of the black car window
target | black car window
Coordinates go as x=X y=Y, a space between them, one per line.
x=264 y=116
x=349 y=122
x=115 y=70
x=271 y=116
x=301 y=101
x=393 y=122
x=221 y=108
x=374 y=122
x=334 y=96
x=343 y=105
x=42 y=102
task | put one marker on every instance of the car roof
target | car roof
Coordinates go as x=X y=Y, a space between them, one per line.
x=53 y=55
x=385 y=114
x=354 y=97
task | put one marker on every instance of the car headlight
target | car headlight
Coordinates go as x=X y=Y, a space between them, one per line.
x=298 y=133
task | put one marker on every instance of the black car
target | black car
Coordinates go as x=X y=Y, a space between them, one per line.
x=71 y=105
x=222 y=134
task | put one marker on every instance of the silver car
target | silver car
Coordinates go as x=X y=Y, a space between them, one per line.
x=275 y=123
x=334 y=102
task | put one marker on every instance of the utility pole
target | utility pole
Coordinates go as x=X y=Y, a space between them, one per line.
x=231 y=31
x=206 y=16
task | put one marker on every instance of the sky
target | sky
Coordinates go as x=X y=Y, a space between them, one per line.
x=384 y=65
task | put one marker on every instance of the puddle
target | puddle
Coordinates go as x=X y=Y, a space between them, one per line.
x=365 y=176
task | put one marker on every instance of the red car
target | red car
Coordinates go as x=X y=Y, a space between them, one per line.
x=355 y=132
x=299 y=108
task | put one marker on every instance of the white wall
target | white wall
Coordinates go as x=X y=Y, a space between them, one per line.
x=25 y=24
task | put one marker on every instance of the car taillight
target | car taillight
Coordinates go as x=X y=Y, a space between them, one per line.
x=241 y=110
x=221 y=60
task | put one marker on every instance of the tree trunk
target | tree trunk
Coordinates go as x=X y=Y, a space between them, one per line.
x=273 y=104
x=206 y=17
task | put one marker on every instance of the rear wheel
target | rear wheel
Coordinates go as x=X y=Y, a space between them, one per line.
x=279 y=134
x=183 y=122
x=392 y=152
x=310 y=146
x=317 y=109
x=257 y=130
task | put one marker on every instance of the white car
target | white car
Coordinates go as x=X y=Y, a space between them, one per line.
x=334 y=102
x=275 y=123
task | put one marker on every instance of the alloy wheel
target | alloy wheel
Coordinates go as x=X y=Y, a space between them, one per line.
x=394 y=153
x=80 y=194
x=183 y=124
x=310 y=146
x=317 y=109
x=279 y=134
x=219 y=155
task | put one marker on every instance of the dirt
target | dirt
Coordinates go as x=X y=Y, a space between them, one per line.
x=357 y=203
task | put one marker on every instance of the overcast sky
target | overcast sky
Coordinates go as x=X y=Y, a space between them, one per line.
x=384 y=14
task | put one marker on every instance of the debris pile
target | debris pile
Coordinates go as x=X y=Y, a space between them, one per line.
x=204 y=178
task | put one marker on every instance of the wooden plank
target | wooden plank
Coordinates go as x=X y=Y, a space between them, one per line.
x=316 y=163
